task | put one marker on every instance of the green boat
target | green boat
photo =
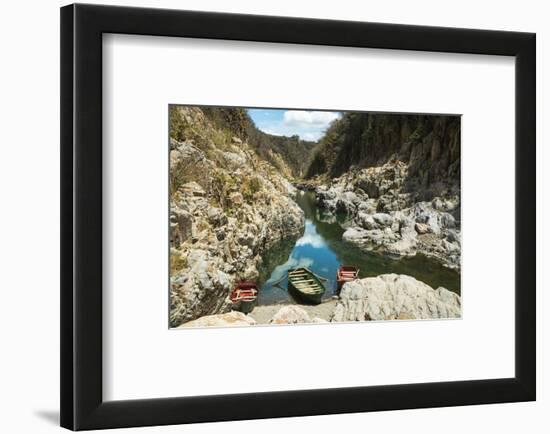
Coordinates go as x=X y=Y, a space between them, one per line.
x=305 y=285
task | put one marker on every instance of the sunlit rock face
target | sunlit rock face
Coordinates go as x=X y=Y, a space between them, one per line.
x=404 y=169
x=228 y=206
x=394 y=297
x=294 y=315
x=230 y=319
x=391 y=220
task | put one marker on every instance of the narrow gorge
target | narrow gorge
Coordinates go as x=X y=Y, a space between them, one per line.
x=379 y=191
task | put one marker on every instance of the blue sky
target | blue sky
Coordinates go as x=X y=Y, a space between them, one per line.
x=309 y=125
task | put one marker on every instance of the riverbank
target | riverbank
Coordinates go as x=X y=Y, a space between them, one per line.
x=380 y=298
x=322 y=249
x=324 y=311
x=386 y=217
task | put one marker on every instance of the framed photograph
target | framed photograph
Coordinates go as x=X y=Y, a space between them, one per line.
x=267 y=217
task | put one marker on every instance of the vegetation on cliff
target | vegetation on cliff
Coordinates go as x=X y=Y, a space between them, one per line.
x=398 y=178
x=288 y=154
x=227 y=207
x=428 y=145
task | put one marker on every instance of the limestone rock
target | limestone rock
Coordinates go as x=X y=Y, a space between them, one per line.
x=391 y=214
x=392 y=296
x=292 y=314
x=421 y=228
x=229 y=319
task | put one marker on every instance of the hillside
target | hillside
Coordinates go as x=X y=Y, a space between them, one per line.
x=428 y=145
x=397 y=178
x=291 y=155
x=228 y=207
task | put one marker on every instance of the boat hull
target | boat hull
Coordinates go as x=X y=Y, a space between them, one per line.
x=346 y=274
x=299 y=294
x=244 y=296
x=246 y=306
x=305 y=298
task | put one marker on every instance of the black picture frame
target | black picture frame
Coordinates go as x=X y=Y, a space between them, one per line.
x=82 y=405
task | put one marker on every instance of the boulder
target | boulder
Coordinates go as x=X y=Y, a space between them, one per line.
x=393 y=296
x=200 y=289
x=421 y=228
x=292 y=314
x=221 y=320
x=374 y=239
x=354 y=235
x=424 y=213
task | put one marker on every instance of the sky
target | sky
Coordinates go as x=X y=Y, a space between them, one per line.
x=309 y=125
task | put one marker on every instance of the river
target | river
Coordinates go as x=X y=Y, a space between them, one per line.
x=322 y=250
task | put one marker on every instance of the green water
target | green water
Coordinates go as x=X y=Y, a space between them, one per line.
x=321 y=249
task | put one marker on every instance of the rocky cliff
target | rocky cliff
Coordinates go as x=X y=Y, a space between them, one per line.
x=228 y=206
x=398 y=179
x=429 y=146
x=291 y=155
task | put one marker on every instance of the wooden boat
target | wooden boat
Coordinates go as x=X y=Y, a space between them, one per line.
x=306 y=285
x=244 y=296
x=346 y=273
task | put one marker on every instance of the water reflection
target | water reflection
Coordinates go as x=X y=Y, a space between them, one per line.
x=322 y=250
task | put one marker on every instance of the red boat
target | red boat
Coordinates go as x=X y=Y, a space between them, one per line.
x=346 y=273
x=244 y=296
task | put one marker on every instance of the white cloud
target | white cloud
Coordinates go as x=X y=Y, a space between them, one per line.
x=311 y=237
x=313 y=240
x=300 y=118
x=309 y=125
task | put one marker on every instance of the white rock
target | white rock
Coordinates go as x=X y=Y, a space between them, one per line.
x=366 y=221
x=392 y=296
x=193 y=189
x=291 y=314
x=422 y=228
x=222 y=320
x=383 y=219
